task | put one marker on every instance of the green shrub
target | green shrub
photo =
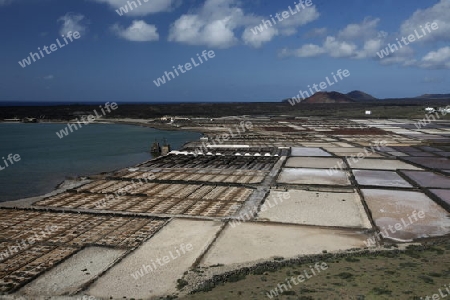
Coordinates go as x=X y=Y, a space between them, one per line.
x=408 y=265
x=352 y=259
x=292 y=293
x=236 y=277
x=426 y=279
x=345 y=275
x=181 y=283
x=381 y=291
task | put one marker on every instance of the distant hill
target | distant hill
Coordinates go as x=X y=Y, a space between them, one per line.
x=360 y=96
x=328 y=97
x=335 y=97
x=434 y=96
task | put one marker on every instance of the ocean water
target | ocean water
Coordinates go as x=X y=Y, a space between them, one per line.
x=46 y=160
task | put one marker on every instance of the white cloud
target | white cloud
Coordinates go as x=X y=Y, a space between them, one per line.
x=439 y=13
x=365 y=30
x=216 y=23
x=369 y=49
x=337 y=48
x=138 y=31
x=73 y=22
x=290 y=25
x=354 y=41
x=316 y=32
x=213 y=25
x=256 y=40
x=364 y=40
x=147 y=7
x=403 y=56
x=309 y=50
x=49 y=77
x=439 y=59
x=193 y=30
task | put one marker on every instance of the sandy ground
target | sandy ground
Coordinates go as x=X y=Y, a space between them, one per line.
x=138 y=121
x=69 y=276
x=316 y=208
x=253 y=241
x=17 y=297
x=118 y=281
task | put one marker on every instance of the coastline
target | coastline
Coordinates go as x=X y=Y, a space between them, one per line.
x=126 y=121
x=82 y=179
x=60 y=188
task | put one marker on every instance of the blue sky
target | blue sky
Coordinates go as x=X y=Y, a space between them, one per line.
x=118 y=58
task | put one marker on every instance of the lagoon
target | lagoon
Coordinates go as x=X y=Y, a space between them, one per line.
x=46 y=160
